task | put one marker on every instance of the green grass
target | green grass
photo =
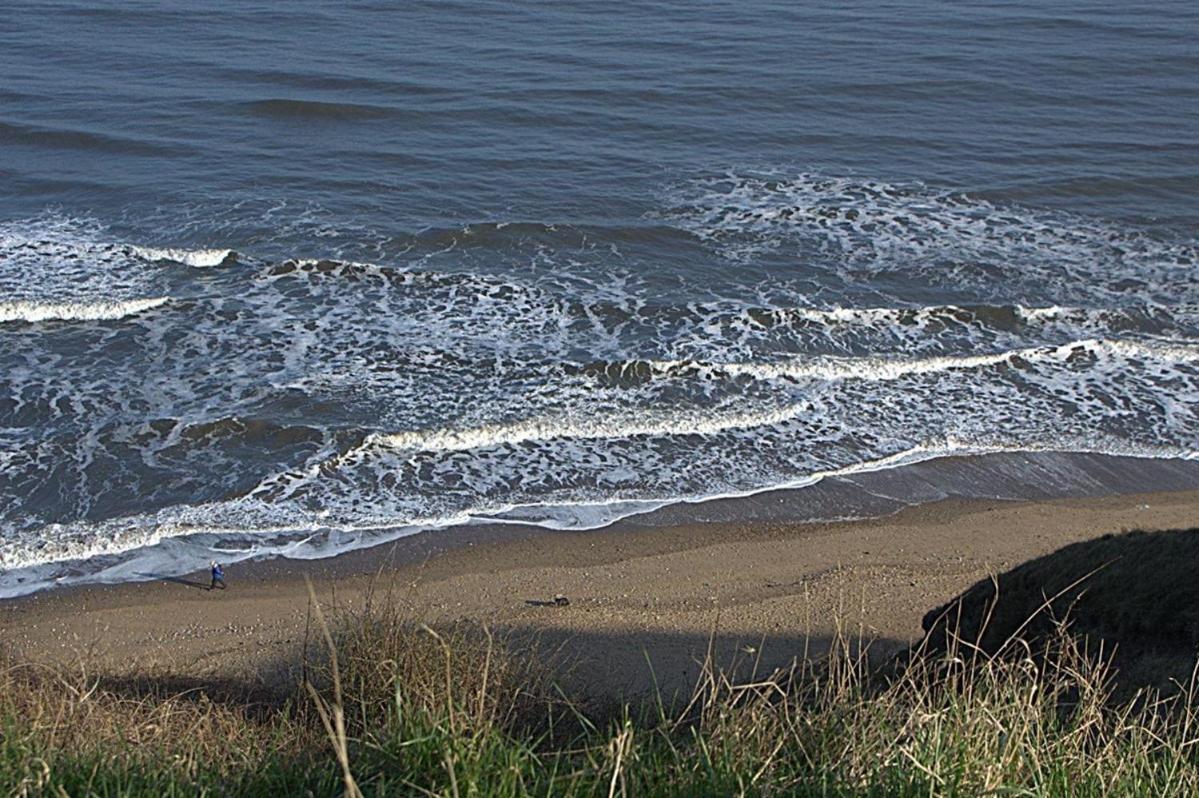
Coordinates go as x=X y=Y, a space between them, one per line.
x=1135 y=593
x=386 y=707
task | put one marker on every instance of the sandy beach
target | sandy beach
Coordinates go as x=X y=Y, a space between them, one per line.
x=643 y=603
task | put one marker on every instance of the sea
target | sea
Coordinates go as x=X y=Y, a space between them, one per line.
x=289 y=279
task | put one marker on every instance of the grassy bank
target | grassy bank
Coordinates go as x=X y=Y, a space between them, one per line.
x=1071 y=675
x=378 y=705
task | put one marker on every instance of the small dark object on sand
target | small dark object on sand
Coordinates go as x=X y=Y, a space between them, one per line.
x=557 y=601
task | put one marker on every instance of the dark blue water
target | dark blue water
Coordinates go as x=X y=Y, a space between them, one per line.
x=298 y=277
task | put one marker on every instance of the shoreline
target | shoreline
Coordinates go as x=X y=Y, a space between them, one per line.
x=1021 y=475
x=641 y=596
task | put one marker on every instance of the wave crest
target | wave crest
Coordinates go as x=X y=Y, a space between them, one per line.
x=32 y=312
x=189 y=257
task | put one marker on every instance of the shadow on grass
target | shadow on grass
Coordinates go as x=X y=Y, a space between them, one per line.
x=258 y=700
x=603 y=671
x=1134 y=595
x=607 y=669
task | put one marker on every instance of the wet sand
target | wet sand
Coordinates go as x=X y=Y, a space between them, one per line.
x=643 y=602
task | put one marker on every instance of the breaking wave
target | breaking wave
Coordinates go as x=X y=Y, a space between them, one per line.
x=190 y=257
x=554 y=375
x=76 y=311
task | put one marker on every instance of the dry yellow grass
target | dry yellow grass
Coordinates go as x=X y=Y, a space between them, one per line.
x=383 y=706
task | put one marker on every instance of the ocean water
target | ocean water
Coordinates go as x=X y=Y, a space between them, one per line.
x=296 y=278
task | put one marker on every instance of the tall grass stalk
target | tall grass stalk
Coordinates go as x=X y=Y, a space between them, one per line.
x=387 y=706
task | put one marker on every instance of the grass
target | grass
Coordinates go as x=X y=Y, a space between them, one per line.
x=383 y=706
x=1135 y=594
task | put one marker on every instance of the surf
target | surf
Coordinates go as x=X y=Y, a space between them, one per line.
x=33 y=312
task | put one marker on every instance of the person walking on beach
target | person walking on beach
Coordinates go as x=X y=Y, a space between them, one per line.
x=218 y=576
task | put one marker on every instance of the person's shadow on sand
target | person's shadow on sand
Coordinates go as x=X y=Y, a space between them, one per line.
x=179 y=580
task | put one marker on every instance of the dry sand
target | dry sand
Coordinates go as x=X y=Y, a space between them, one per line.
x=638 y=597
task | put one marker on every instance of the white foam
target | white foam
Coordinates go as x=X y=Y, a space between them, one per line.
x=63 y=267
x=577 y=428
x=76 y=311
x=920 y=316
x=67 y=544
x=311 y=408
x=880 y=369
x=58 y=267
x=189 y=257
x=647 y=422
x=862 y=230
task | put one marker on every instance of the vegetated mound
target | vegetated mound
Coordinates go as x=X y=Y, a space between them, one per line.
x=1136 y=594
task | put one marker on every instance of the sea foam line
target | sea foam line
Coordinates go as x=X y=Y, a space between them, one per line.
x=538 y=429
x=143 y=532
x=874 y=315
x=881 y=369
x=32 y=311
x=690 y=423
